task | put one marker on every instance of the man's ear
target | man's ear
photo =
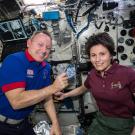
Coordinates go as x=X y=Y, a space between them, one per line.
x=28 y=42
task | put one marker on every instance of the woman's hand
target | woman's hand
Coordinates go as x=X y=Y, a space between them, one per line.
x=59 y=95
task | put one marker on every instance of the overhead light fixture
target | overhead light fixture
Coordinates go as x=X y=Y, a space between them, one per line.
x=28 y=2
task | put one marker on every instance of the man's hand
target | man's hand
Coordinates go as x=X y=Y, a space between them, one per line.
x=60 y=82
x=55 y=130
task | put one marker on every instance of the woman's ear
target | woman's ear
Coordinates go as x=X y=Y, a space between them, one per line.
x=112 y=59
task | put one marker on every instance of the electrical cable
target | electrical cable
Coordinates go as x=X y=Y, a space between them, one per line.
x=89 y=19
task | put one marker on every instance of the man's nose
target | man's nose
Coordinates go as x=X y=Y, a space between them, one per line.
x=44 y=49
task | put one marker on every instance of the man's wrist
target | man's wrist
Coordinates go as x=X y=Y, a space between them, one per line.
x=53 y=88
x=55 y=122
x=49 y=90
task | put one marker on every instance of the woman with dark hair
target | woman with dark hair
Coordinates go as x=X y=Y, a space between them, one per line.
x=113 y=87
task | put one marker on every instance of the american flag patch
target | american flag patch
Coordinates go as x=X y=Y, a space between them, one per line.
x=30 y=72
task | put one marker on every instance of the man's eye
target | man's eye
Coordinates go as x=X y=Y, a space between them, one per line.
x=49 y=49
x=40 y=45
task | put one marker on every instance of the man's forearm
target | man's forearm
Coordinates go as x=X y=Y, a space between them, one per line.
x=20 y=98
x=50 y=109
x=133 y=131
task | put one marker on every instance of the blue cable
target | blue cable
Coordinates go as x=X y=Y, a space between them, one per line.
x=90 y=18
x=70 y=22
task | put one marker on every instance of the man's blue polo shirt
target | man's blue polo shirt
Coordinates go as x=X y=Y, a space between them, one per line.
x=20 y=70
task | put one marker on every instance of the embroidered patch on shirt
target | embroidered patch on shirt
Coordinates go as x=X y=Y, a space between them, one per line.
x=30 y=73
x=115 y=85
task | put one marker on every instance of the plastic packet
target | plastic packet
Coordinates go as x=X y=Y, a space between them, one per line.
x=70 y=71
x=42 y=128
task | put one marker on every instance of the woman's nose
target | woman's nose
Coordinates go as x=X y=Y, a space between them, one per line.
x=98 y=58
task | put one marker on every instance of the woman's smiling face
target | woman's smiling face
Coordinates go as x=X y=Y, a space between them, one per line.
x=100 y=57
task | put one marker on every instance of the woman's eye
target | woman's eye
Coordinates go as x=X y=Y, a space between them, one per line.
x=102 y=54
x=92 y=55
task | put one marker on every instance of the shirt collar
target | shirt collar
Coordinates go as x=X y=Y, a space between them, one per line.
x=28 y=56
x=31 y=59
x=112 y=69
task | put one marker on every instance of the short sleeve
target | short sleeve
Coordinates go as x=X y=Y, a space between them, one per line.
x=131 y=79
x=87 y=81
x=12 y=73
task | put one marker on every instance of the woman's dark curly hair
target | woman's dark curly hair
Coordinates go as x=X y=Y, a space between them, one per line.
x=101 y=38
